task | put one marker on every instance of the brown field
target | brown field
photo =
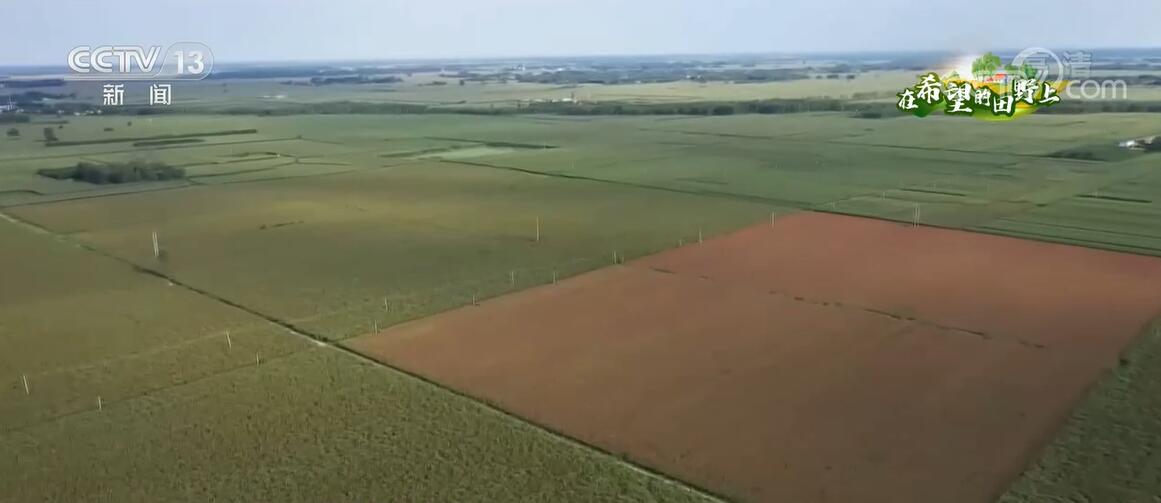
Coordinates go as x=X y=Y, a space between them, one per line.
x=827 y=359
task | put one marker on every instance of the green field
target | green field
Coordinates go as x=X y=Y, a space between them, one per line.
x=79 y=325
x=317 y=425
x=429 y=212
x=416 y=89
x=324 y=253
x=315 y=229
x=134 y=389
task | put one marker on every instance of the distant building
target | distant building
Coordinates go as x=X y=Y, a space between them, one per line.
x=1148 y=143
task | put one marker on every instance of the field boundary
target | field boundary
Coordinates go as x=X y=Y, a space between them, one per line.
x=137 y=150
x=567 y=176
x=87 y=195
x=1133 y=358
x=789 y=137
x=154 y=391
x=870 y=310
x=409 y=351
x=1109 y=247
x=541 y=428
x=988 y=231
x=322 y=342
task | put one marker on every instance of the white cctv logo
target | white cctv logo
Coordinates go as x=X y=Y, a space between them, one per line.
x=182 y=61
x=109 y=59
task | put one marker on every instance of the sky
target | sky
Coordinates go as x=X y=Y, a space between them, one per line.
x=35 y=32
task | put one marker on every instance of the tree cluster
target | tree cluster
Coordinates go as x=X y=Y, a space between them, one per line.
x=114 y=173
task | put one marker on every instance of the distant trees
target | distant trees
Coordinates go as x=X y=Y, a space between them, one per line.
x=648 y=74
x=1101 y=106
x=49 y=135
x=13 y=132
x=773 y=106
x=11 y=118
x=126 y=172
x=1076 y=153
x=705 y=108
x=141 y=141
x=352 y=79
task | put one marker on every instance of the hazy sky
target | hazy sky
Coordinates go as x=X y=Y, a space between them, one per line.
x=43 y=31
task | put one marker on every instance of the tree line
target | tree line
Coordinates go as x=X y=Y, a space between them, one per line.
x=114 y=173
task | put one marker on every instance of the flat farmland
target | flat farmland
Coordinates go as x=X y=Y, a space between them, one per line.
x=827 y=358
x=78 y=325
x=885 y=82
x=318 y=425
x=339 y=255
x=224 y=94
x=1123 y=212
x=1105 y=452
x=118 y=385
x=342 y=225
x=999 y=287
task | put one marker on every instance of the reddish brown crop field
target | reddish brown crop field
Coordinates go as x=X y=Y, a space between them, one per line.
x=828 y=359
